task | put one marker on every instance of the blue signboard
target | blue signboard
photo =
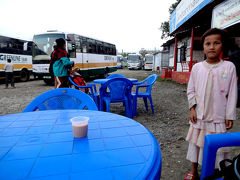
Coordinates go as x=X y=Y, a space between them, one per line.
x=184 y=11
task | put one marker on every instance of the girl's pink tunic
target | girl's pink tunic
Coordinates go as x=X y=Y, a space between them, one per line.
x=213 y=89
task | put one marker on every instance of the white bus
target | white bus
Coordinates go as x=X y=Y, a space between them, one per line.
x=119 y=61
x=148 y=65
x=135 y=61
x=93 y=57
x=20 y=53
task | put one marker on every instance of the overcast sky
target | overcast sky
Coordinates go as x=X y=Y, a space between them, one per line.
x=130 y=24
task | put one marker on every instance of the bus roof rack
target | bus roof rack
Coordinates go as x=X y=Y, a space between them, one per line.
x=52 y=31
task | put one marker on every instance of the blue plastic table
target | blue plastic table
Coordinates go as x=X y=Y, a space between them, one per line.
x=102 y=81
x=40 y=145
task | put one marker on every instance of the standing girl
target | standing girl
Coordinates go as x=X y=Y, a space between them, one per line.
x=212 y=97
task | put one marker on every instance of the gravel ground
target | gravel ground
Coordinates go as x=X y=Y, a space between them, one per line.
x=169 y=123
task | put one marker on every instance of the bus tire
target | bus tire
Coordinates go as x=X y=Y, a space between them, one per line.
x=24 y=75
x=105 y=74
x=49 y=82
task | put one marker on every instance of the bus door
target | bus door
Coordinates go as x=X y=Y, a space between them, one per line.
x=85 y=60
x=79 y=56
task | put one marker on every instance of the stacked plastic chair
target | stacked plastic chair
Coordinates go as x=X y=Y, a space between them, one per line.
x=211 y=144
x=116 y=90
x=61 y=98
x=93 y=91
x=147 y=84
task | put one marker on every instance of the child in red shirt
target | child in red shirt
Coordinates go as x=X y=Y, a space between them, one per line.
x=78 y=80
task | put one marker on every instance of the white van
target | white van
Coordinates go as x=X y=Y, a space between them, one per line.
x=148 y=65
x=135 y=61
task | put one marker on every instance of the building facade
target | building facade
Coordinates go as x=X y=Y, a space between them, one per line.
x=187 y=24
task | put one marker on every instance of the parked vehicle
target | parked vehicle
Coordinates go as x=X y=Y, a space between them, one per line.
x=148 y=65
x=93 y=57
x=125 y=63
x=20 y=53
x=135 y=61
x=119 y=61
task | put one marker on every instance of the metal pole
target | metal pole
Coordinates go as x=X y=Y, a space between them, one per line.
x=175 y=56
x=191 y=52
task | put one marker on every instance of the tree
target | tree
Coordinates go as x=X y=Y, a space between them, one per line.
x=173 y=6
x=124 y=54
x=165 y=29
x=143 y=52
x=165 y=25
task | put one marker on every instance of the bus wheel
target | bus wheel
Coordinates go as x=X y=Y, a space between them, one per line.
x=49 y=82
x=24 y=75
x=105 y=74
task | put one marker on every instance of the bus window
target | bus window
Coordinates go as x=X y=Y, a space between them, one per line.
x=29 y=48
x=25 y=46
x=71 y=50
x=114 y=50
x=43 y=46
x=84 y=44
x=3 y=47
x=89 y=48
x=71 y=47
x=110 y=51
x=84 y=48
x=77 y=40
x=78 y=47
x=91 y=45
x=94 y=50
x=99 y=47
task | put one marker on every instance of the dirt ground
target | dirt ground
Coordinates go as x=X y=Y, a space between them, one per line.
x=169 y=124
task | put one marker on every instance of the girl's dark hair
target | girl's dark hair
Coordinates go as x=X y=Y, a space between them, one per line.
x=223 y=33
x=60 y=42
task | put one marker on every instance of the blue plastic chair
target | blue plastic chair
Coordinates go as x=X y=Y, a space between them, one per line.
x=116 y=90
x=147 y=83
x=93 y=91
x=115 y=76
x=211 y=144
x=61 y=98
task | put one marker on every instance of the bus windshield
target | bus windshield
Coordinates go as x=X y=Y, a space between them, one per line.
x=118 y=59
x=133 y=59
x=43 y=45
x=149 y=59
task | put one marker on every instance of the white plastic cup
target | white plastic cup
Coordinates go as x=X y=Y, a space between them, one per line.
x=80 y=126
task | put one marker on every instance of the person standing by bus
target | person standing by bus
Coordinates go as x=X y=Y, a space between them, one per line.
x=8 y=68
x=60 y=64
